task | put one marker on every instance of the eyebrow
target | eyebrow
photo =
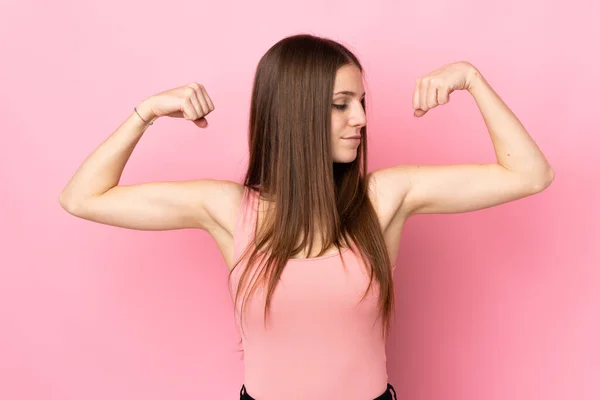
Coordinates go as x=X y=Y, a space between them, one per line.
x=348 y=93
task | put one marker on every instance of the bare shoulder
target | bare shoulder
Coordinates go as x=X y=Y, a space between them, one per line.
x=224 y=206
x=224 y=209
x=387 y=193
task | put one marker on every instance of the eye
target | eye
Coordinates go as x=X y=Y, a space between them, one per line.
x=344 y=106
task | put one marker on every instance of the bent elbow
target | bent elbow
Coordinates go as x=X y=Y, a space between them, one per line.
x=545 y=181
x=67 y=203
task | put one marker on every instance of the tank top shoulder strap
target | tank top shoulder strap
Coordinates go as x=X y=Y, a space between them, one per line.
x=244 y=222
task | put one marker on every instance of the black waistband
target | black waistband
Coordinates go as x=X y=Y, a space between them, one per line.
x=387 y=395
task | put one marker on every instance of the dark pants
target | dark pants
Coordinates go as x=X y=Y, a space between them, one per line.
x=387 y=395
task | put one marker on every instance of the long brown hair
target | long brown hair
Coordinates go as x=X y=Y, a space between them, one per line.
x=291 y=165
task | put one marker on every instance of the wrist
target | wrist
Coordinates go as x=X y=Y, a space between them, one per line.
x=145 y=111
x=474 y=79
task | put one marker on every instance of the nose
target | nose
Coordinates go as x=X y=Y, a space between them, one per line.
x=359 y=117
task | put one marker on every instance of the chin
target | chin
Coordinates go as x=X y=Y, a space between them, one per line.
x=345 y=158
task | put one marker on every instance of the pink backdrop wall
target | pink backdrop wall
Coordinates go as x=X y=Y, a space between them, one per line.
x=502 y=303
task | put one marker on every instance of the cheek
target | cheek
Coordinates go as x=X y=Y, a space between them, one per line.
x=337 y=123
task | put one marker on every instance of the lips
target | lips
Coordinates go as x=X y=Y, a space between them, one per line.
x=353 y=137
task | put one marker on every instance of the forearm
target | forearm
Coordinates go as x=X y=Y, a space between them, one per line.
x=514 y=147
x=102 y=169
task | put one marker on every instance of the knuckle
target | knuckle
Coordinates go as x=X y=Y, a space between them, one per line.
x=189 y=91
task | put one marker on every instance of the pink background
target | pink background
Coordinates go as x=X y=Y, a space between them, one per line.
x=502 y=303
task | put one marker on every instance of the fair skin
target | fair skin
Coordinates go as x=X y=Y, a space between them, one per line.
x=397 y=192
x=347 y=115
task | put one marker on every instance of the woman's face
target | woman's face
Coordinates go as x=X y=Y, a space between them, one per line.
x=347 y=114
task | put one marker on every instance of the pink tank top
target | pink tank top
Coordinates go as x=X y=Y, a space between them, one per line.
x=321 y=342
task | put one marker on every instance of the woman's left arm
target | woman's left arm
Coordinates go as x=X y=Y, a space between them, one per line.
x=521 y=170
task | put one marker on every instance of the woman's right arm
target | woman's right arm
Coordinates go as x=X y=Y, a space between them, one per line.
x=93 y=193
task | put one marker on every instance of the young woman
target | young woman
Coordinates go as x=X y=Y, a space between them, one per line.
x=310 y=238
